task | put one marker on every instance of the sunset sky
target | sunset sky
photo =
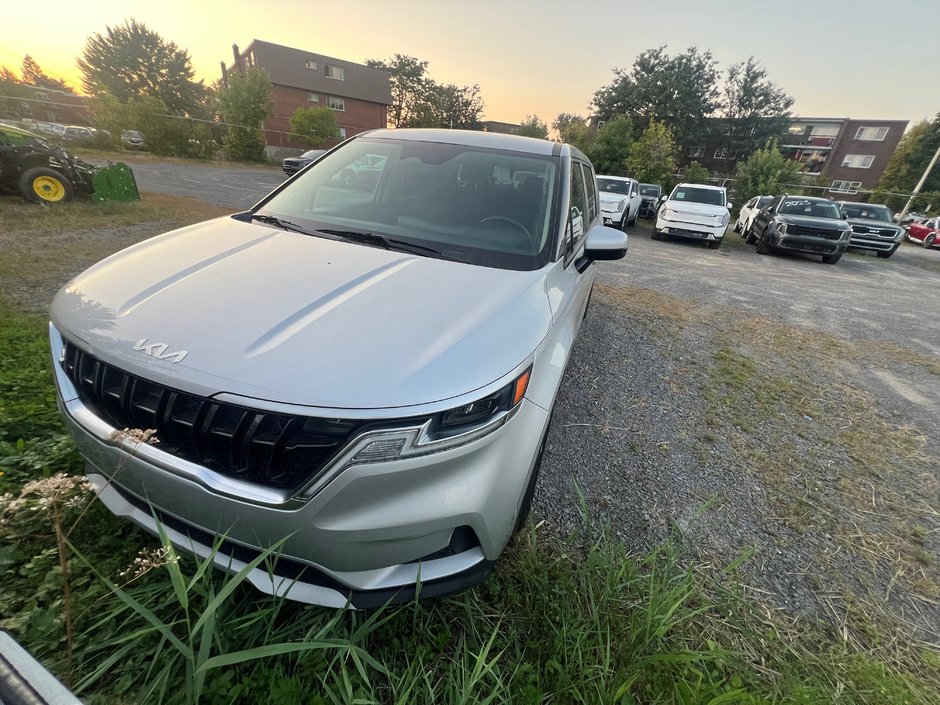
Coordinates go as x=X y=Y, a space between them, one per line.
x=838 y=58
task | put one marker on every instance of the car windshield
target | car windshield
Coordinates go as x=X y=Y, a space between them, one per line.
x=613 y=186
x=763 y=201
x=440 y=200
x=866 y=212
x=709 y=196
x=647 y=190
x=811 y=207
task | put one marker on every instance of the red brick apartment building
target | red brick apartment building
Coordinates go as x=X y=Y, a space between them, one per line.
x=360 y=95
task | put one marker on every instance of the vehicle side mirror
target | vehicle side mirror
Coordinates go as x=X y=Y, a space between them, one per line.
x=730 y=205
x=844 y=216
x=605 y=243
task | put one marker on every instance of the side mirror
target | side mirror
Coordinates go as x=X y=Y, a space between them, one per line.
x=844 y=216
x=730 y=205
x=605 y=243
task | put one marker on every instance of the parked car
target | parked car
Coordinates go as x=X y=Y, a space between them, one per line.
x=801 y=224
x=620 y=200
x=50 y=129
x=132 y=139
x=872 y=229
x=911 y=217
x=926 y=233
x=747 y=213
x=694 y=212
x=368 y=375
x=76 y=133
x=650 y=193
x=291 y=165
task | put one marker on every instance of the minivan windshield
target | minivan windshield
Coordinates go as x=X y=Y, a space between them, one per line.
x=613 y=186
x=455 y=202
x=709 y=196
x=863 y=211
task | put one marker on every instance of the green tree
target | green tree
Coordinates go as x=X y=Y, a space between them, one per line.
x=652 y=158
x=313 y=126
x=695 y=173
x=245 y=103
x=574 y=130
x=532 y=126
x=131 y=60
x=409 y=84
x=911 y=158
x=679 y=91
x=456 y=107
x=765 y=172
x=611 y=146
x=754 y=109
x=32 y=75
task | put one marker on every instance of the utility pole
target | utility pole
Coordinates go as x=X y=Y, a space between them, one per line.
x=920 y=185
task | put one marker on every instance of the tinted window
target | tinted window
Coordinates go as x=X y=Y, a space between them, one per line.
x=691 y=194
x=796 y=205
x=648 y=190
x=461 y=202
x=867 y=212
x=763 y=201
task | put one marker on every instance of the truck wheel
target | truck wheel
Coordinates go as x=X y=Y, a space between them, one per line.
x=749 y=235
x=762 y=247
x=44 y=185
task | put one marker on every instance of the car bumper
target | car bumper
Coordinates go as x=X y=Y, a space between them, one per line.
x=690 y=231
x=368 y=536
x=612 y=217
x=806 y=244
x=873 y=244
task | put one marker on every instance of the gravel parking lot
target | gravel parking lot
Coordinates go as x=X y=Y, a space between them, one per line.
x=742 y=405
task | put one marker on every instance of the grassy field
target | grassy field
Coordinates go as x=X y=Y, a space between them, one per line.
x=122 y=619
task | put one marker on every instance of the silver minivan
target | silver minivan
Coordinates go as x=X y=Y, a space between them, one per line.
x=362 y=368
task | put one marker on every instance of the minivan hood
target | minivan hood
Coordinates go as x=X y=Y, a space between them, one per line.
x=299 y=319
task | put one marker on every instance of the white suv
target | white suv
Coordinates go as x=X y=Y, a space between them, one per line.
x=694 y=212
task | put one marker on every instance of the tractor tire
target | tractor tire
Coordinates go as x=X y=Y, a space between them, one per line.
x=44 y=185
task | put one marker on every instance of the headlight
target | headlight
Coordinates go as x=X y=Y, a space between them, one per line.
x=725 y=219
x=622 y=205
x=782 y=228
x=667 y=214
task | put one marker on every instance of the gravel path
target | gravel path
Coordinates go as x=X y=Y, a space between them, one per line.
x=632 y=428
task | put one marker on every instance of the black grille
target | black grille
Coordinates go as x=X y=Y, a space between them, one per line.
x=814 y=232
x=275 y=450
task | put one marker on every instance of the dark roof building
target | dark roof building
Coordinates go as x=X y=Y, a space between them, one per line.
x=505 y=128
x=360 y=95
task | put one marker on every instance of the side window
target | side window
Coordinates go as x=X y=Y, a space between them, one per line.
x=590 y=187
x=577 y=215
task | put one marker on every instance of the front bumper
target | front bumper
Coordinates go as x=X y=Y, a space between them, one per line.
x=874 y=243
x=806 y=244
x=368 y=536
x=690 y=231
x=613 y=218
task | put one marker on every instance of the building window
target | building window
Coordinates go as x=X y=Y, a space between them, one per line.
x=335 y=103
x=695 y=151
x=871 y=134
x=250 y=59
x=721 y=153
x=796 y=129
x=825 y=130
x=858 y=161
x=845 y=186
x=313 y=98
x=311 y=65
x=342 y=133
x=335 y=72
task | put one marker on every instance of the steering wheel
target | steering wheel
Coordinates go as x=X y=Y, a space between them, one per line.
x=512 y=221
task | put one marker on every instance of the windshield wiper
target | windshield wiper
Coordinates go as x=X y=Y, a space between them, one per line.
x=387 y=243
x=279 y=223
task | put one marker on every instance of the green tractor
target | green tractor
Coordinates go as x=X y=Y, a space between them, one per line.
x=42 y=173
